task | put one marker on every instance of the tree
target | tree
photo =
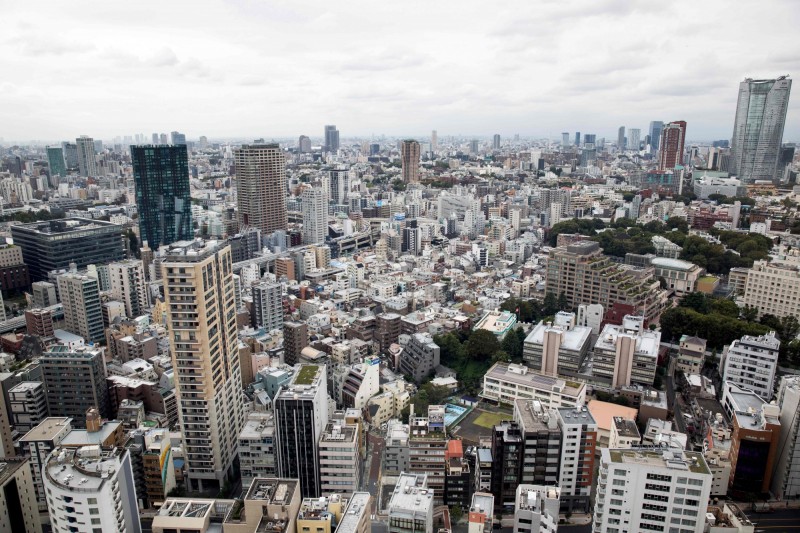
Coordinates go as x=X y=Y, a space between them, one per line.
x=749 y=313
x=563 y=305
x=550 y=306
x=481 y=345
x=790 y=327
x=500 y=357
x=512 y=345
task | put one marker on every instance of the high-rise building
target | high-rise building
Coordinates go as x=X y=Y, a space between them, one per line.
x=295 y=338
x=315 y=227
x=54 y=244
x=564 y=139
x=331 y=139
x=39 y=322
x=55 y=158
x=178 y=138
x=163 y=196
x=635 y=139
x=257 y=447
x=751 y=363
x=339 y=185
x=91 y=489
x=201 y=319
x=128 y=285
x=434 y=141
x=627 y=353
x=577 y=138
x=17 y=497
x=70 y=155
x=409 y=154
x=646 y=489
x=75 y=382
x=773 y=288
x=427 y=449
x=559 y=348
x=670 y=152
x=655 y=135
x=301 y=414
x=758 y=128
x=261 y=187
x=304 y=144
x=28 y=405
x=267 y=305
x=496 y=141
x=87 y=164
x=80 y=296
x=621 y=138
x=786 y=480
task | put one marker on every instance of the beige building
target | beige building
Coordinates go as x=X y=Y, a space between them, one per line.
x=691 y=354
x=557 y=348
x=201 y=319
x=680 y=276
x=773 y=289
x=18 y=509
x=261 y=187
x=320 y=515
x=506 y=382
x=339 y=460
x=627 y=353
x=10 y=255
x=409 y=154
x=128 y=285
x=270 y=505
x=80 y=296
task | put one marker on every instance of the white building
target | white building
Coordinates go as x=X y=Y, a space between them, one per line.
x=627 y=353
x=411 y=505
x=257 y=447
x=128 y=285
x=651 y=490
x=37 y=445
x=786 y=479
x=339 y=460
x=315 y=228
x=536 y=509
x=773 y=289
x=91 y=489
x=481 y=513
x=506 y=382
x=751 y=362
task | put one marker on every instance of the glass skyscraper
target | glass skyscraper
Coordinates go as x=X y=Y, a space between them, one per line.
x=758 y=129
x=55 y=158
x=161 y=174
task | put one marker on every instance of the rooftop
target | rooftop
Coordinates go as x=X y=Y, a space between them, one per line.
x=83 y=469
x=572 y=339
x=276 y=491
x=65 y=226
x=523 y=375
x=357 y=507
x=81 y=437
x=10 y=465
x=673 y=264
x=672 y=459
x=306 y=376
x=626 y=427
x=498 y=322
x=411 y=494
x=604 y=412
x=48 y=429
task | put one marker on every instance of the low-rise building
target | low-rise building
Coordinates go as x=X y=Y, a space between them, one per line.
x=536 y=509
x=691 y=354
x=420 y=357
x=410 y=507
x=558 y=348
x=506 y=382
x=481 y=513
x=679 y=276
x=497 y=322
x=624 y=434
x=627 y=353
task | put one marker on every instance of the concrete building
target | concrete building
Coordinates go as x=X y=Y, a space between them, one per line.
x=506 y=382
x=665 y=247
x=706 y=185
x=270 y=505
x=39 y=322
x=75 y=382
x=153 y=465
x=28 y=405
x=627 y=353
x=91 y=488
x=579 y=436
x=257 y=447
x=128 y=285
x=645 y=489
x=201 y=320
x=536 y=509
x=267 y=306
x=54 y=244
x=624 y=434
x=319 y=514
x=356 y=518
x=670 y=151
x=558 y=348
x=497 y=322
x=786 y=480
x=44 y=294
x=301 y=415
x=261 y=187
x=410 y=507
x=427 y=449
x=691 y=354
x=315 y=214
x=87 y=163
x=773 y=288
x=751 y=362
x=80 y=296
x=295 y=338
x=395 y=451
x=37 y=445
x=480 y=518
x=420 y=357
x=409 y=156
x=18 y=509
x=680 y=276
x=339 y=459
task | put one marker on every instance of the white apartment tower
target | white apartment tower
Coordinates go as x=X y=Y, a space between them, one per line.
x=201 y=319
x=128 y=284
x=314 y=220
x=87 y=164
x=80 y=296
x=751 y=362
x=651 y=490
x=268 y=305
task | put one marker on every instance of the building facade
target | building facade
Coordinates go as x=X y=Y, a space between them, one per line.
x=751 y=363
x=261 y=187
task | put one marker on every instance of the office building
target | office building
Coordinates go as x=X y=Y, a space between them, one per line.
x=627 y=353
x=301 y=414
x=635 y=139
x=331 y=139
x=655 y=135
x=751 y=363
x=758 y=128
x=651 y=490
x=427 y=449
x=177 y=138
x=91 y=489
x=75 y=382
x=564 y=139
x=536 y=509
x=54 y=244
x=80 y=296
x=27 y=402
x=257 y=447
x=18 y=509
x=339 y=460
x=267 y=305
x=201 y=320
x=295 y=338
x=128 y=285
x=772 y=288
x=496 y=141
x=434 y=140
x=315 y=223
x=409 y=155
x=557 y=348
x=785 y=483
x=163 y=195
x=411 y=504
x=670 y=152
x=261 y=187
x=621 y=138
x=506 y=382
x=304 y=144
x=44 y=294
x=87 y=163
x=579 y=433
x=420 y=357
x=55 y=159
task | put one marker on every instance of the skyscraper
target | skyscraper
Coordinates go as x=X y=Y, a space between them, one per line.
x=70 y=155
x=496 y=141
x=331 y=139
x=55 y=158
x=80 y=296
x=267 y=305
x=201 y=320
x=128 y=285
x=163 y=196
x=314 y=219
x=635 y=139
x=434 y=141
x=671 y=145
x=577 y=138
x=758 y=129
x=304 y=144
x=565 y=138
x=178 y=138
x=621 y=138
x=87 y=166
x=261 y=187
x=655 y=134
x=409 y=154
x=155 y=139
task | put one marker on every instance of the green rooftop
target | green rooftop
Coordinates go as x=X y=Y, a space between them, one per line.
x=306 y=375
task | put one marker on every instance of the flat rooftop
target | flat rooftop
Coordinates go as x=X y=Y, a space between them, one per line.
x=10 y=465
x=411 y=494
x=625 y=427
x=522 y=375
x=357 y=507
x=670 y=459
x=66 y=226
x=88 y=467
x=81 y=437
x=571 y=339
x=277 y=491
x=48 y=429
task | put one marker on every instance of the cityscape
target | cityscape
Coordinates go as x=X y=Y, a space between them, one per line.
x=204 y=330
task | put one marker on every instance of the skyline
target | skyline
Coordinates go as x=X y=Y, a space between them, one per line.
x=238 y=69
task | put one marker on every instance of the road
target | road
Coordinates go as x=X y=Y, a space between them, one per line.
x=375 y=444
x=778 y=520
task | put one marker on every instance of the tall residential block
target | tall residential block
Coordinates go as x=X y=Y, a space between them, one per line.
x=295 y=338
x=409 y=155
x=267 y=305
x=773 y=288
x=54 y=244
x=201 y=320
x=17 y=497
x=331 y=139
x=75 y=382
x=87 y=164
x=261 y=187
x=163 y=195
x=751 y=363
x=301 y=414
x=80 y=296
x=670 y=152
x=128 y=285
x=39 y=322
x=621 y=138
x=315 y=227
x=758 y=128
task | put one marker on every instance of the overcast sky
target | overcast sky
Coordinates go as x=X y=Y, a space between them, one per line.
x=256 y=68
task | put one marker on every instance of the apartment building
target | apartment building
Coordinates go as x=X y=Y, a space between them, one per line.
x=751 y=362
x=506 y=382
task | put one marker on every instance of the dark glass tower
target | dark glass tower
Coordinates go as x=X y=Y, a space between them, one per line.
x=163 y=198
